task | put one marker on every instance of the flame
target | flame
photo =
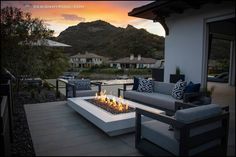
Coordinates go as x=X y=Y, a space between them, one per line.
x=117 y=104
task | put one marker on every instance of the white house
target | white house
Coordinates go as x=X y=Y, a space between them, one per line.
x=133 y=62
x=190 y=27
x=85 y=60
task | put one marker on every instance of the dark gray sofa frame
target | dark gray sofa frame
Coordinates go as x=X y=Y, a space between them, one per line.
x=186 y=142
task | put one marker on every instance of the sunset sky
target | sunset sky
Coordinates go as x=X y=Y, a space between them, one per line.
x=59 y=15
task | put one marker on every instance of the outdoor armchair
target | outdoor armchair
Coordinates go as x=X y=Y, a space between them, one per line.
x=80 y=87
x=201 y=130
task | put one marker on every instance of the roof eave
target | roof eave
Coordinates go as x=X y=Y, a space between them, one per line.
x=148 y=12
x=137 y=11
x=159 y=10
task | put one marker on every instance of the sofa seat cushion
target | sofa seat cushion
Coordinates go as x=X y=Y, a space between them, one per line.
x=154 y=99
x=83 y=93
x=158 y=133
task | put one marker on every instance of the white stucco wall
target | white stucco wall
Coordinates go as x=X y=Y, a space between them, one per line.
x=184 y=46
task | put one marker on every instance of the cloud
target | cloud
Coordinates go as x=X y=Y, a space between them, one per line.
x=138 y=21
x=149 y=25
x=72 y=17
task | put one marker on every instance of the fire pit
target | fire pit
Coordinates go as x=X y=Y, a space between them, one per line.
x=112 y=124
x=112 y=105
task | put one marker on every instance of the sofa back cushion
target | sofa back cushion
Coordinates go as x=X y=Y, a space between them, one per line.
x=194 y=114
x=163 y=88
x=81 y=84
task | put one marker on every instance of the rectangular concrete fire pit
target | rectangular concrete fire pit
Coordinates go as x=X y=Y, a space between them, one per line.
x=112 y=124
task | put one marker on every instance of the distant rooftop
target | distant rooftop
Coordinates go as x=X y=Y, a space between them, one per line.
x=86 y=55
x=49 y=43
x=142 y=60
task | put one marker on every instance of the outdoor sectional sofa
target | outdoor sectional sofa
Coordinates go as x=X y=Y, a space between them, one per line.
x=160 y=98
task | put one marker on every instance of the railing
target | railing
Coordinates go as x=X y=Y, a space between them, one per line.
x=57 y=85
x=5 y=139
x=6 y=119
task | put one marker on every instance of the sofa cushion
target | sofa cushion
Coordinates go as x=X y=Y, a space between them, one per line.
x=82 y=93
x=162 y=87
x=145 y=85
x=191 y=87
x=81 y=84
x=193 y=114
x=158 y=133
x=154 y=99
x=178 y=89
x=198 y=113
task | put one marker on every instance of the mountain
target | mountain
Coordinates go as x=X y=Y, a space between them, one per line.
x=104 y=39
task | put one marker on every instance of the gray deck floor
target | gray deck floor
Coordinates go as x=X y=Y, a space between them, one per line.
x=58 y=130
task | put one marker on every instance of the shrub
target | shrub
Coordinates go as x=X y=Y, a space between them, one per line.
x=47 y=85
x=32 y=93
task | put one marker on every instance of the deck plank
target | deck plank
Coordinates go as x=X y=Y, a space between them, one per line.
x=58 y=130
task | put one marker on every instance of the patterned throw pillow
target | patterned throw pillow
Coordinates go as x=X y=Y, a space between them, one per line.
x=178 y=89
x=145 y=85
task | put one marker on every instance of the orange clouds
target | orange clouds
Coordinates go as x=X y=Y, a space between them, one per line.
x=59 y=15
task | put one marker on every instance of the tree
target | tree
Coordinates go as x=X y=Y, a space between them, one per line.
x=18 y=31
x=54 y=63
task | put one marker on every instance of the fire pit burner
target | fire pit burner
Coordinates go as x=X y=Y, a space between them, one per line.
x=111 y=105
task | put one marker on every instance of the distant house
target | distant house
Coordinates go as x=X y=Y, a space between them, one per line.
x=85 y=60
x=133 y=62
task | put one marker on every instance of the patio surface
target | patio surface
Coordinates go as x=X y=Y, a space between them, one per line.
x=58 y=130
x=225 y=95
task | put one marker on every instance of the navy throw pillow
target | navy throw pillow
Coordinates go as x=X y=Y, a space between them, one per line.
x=136 y=83
x=191 y=87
